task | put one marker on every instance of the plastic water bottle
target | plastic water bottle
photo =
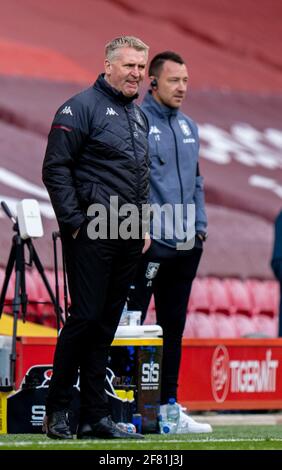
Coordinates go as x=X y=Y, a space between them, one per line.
x=173 y=413
x=131 y=428
x=134 y=317
x=137 y=421
x=164 y=426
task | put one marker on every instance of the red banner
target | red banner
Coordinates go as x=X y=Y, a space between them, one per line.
x=231 y=374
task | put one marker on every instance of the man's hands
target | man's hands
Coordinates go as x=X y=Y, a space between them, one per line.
x=202 y=236
x=147 y=244
x=74 y=235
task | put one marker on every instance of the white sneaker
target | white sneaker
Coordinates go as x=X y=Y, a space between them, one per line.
x=186 y=425
x=189 y=425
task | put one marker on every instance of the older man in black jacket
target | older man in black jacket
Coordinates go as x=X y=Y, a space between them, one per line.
x=97 y=149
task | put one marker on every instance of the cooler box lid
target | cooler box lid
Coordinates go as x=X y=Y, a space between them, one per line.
x=140 y=331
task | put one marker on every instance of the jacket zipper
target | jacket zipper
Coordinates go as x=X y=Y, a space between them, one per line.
x=178 y=168
x=135 y=155
x=177 y=162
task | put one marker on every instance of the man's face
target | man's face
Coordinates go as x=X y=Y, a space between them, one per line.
x=172 y=84
x=127 y=70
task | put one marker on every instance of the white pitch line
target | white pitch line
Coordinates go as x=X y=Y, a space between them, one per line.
x=122 y=441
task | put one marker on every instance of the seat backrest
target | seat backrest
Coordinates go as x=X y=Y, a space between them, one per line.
x=225 y=325
x=266 y=326
x=220 y=298
x=240 y=297
x=200 y=296
x=245 y=325
x=263 y=297
x=199 y=325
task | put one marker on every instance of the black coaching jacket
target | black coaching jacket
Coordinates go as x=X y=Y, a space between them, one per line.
x=97 y=148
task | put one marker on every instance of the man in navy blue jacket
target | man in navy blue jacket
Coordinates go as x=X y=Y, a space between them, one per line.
x=97 y=150
x=169 y=266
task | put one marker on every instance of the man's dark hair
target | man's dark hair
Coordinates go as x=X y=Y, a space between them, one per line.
x=157 y=62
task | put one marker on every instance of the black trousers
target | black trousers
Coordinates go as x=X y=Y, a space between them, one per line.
x=168 y=274
x=99 y=275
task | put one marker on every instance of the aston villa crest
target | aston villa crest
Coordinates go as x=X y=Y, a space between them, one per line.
x=184 y=127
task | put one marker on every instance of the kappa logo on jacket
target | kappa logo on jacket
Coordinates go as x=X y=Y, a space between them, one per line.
x=111 y=112
x=67 y=110
x=154 y=130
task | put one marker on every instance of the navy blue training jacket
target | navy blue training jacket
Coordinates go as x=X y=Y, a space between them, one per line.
x=174 y=155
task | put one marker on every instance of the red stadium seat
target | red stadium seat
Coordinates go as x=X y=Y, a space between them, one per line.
x=33 y=311
x=225 y=325
x=263 y=297
x=266 y=326
x=10 y=291
x=273 y=289
x=31 y=289
x=151 y=313
x=220 y=298
x=150 y=318
x=199 y=325
x=45 y=308
x=200 y=300
x=240 y=297
x=245 y=325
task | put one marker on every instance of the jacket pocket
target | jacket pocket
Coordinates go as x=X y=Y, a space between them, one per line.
x=160 y=160
x=84 y=192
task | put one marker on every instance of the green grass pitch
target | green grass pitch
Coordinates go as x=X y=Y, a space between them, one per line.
x=247 y=437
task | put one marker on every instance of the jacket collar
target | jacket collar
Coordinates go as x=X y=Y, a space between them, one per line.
x=102 y=85
x=160 y=109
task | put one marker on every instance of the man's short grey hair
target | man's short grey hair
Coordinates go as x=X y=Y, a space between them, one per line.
x=124 y=41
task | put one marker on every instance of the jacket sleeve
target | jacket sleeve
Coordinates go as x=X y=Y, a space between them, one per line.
x=67 y=135
x=201 y=222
